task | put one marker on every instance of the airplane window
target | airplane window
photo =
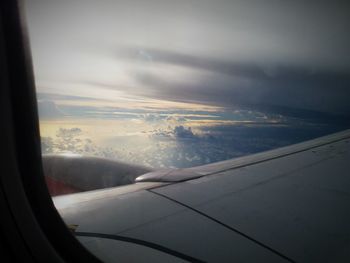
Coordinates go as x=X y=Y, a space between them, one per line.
x=177 y=84
x=129 y=87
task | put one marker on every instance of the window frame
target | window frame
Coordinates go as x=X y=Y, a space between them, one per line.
x=31 y=229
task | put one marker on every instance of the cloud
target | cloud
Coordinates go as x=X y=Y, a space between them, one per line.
x=177 y=133
x=49 y=110
x=68 y=133
x=47 y=145
x=183 y=133
x=56 y=96
x=281 y=57
x=177 y=119
x=290 y=88
x=245 y=52
x=182 y=146
x=74 y=140
x=170 y=57
x=151 y=117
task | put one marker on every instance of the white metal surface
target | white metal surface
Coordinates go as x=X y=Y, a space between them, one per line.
x=298 y=204
x=290 y=204
x=149 y=217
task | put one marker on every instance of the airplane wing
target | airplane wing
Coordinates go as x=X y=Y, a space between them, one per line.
x=286 y=205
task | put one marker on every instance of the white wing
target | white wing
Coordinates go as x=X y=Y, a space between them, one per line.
x=289 y=204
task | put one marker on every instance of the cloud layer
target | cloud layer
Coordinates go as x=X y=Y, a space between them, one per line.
x=183 y=83
x=250 y=54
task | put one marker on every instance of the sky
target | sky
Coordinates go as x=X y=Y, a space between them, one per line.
x=184 y=83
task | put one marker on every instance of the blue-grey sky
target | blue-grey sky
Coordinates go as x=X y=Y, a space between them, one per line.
x=221 y=53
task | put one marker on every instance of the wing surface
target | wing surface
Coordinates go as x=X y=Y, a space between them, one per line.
x=289 y=204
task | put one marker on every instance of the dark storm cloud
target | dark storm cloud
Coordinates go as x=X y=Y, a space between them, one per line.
x=191 y=61
x=233 y=84
x=256 y=70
